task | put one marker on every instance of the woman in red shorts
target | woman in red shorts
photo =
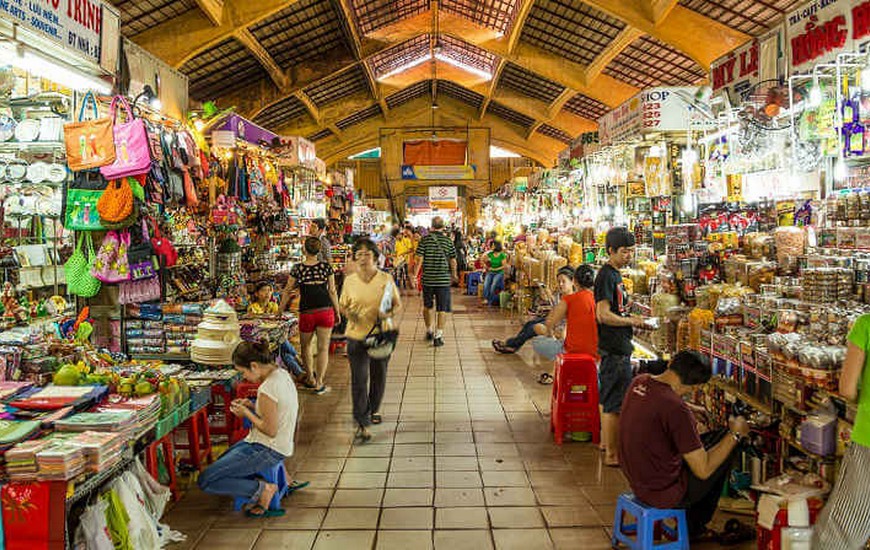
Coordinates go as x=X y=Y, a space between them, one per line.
x=318 y=310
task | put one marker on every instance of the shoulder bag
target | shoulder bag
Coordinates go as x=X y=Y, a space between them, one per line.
x=77 y=269
x=89 y=143
x=132 y=153
x=80 y=197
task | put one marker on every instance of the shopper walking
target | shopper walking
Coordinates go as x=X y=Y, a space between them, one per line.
x=565 y=280
x=461 y=251
x=845 y=522
x=319 y=311
x=270 y=441
x=362 y=298
x=438 y=267
x=612 y=304
x=493 y=283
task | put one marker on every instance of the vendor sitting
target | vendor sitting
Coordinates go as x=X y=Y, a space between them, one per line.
x=264 y=305
x=273 y=425
x=663 y=457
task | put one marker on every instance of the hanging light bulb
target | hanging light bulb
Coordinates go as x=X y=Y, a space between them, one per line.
x=814 y=98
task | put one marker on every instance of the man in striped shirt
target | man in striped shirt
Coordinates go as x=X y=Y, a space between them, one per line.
x=438 y=264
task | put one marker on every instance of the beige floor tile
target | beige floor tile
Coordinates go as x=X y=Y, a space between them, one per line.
x=505 y=479
x=571 y=516
x=372 y=450
x=586 y=538
x=541 y=478
x=310 y=498
x=295 y=518
x=412 y=463
x=461 y=518
x=498 y=450
x=362 y=480
x=455 y=498
x=515 y=517
x=558 y=496
x=414 y=449
x=407 y=518
x=453 y=437
x=356 y=464
x=228 y=539
x=522 y=539
x=415 y=437
x=351 y=518
x=509 y=496
x=286 y=540
x=318 y=480
x=357 y=498
x=344 y=540
x=457 y=479
x=408 y=497
x=320 y=465
x=463 y=540
x=497 y=464
x=399 y=540
x=455 y=449
x=456 y=463
x=420 y=479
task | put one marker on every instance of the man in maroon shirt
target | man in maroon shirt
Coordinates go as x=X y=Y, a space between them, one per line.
x=662 y=455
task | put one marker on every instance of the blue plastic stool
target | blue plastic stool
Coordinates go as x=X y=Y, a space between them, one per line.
x=641 y=535
x=277 y=475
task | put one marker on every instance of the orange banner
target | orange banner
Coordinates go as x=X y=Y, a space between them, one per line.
x=434 y=153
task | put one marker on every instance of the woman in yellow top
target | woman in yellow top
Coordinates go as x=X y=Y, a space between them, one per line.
x=361 y=298
x=404 y=254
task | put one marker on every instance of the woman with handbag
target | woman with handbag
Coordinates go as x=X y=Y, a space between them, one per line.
x=369 y=300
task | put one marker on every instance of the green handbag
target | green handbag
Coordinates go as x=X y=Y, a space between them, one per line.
x=81 y=210
x=77 y=269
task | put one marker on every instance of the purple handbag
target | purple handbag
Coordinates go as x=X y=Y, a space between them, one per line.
x=132 y=154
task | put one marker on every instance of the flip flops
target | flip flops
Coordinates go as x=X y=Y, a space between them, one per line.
x=376 y=419
x=297 y=485
x=546 y=379
x=257 y=511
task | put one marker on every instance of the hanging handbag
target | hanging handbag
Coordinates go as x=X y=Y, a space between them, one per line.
x=163 y=248
x=141 y=257
x=190 y=198
x=77 y=270
x=89 y=143
x=80 y=197
x=137 y=292
x=112 y=265
x=116 y=202
x=132 y=155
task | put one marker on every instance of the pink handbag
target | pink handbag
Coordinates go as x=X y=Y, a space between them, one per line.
x=132 y=154
x=137 y=292
x=111 y=265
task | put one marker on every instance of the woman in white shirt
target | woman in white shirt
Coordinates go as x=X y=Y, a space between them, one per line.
x=270 y=441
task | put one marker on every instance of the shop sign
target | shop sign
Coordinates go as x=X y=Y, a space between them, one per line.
x=443 y=197
x=583 y=145
x=461 y=172
x=653 y=110
x=297 y=150
x=74 y=24
x=245 y=130
x=418 y=204
x=819 y=30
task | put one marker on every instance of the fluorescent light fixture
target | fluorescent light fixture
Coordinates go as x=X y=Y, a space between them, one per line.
x=402 y=68
x=463 y=66
x=496 y=152
x=43 y=67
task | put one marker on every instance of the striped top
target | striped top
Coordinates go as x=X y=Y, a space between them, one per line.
x=437 y=249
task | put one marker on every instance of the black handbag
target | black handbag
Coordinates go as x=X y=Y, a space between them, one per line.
x=141 y=257
x=380 y=343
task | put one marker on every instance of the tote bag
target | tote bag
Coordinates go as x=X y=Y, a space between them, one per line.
x=112 y=265
x=116 y=203
x=80 y=197
x=132 y=153
x=77 y=270
x=89 y=143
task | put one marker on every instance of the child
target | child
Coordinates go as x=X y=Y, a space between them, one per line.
x=263 y=303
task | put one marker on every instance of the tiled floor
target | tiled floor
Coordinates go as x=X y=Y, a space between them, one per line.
x=463 y=460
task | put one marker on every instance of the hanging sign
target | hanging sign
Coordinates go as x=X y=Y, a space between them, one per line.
x=74 y=24
x=819 y=30
x=443 y=197
x=418 y=204
x=654 y=110
x=297 y=150
x=736 y=73
x=245 y=130
x=461 y=172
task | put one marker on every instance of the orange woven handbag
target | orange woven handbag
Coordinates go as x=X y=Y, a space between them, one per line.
x=116 y=202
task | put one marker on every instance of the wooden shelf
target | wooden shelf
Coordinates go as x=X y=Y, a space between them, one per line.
x=752 y=401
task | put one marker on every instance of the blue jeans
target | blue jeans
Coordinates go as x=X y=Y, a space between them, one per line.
x=236 y=472
x=525 y=334
x=492 y=285
x=290 y=358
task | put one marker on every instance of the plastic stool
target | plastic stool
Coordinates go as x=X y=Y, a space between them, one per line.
x=574 y=401
x=165 y=443
x=277 y=475
x=336 y=343
x=198 y=444
x=641 y=535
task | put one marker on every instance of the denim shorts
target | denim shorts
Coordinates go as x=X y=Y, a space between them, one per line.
x=548 y=347
x=437 y=297
x=614 y=377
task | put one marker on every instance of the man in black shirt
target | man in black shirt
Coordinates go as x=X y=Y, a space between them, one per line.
x=615 y=332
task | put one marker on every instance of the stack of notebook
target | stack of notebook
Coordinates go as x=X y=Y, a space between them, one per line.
x=102 y=449
x=123 y=421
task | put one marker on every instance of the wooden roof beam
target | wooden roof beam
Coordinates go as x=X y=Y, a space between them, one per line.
x=309 y=105
x=487 y=97
x=278 y=76
x=560 y=101
x=349 y=19
x=213 y=9
x=623 y=40
x=518 y=23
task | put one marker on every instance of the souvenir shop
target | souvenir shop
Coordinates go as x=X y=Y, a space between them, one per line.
x=750 y=214
x=134 y=235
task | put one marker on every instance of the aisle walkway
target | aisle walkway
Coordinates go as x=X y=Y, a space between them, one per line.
x=463 y=460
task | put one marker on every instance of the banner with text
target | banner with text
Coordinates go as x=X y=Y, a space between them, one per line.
x=654 y=110
x=820 y=29
x=438 y=172
x=444 y=197
x=736 y=73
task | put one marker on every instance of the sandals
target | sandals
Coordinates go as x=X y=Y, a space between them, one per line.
x=546 y=379
x=296 y=485
x=735 y=533
x=500 y=347
x=363 y=435
x=257 y=511
x=376 y=419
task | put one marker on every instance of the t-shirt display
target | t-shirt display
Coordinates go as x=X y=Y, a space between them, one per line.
x=656 y=430
x=609 y=287
x=437 y=249
x=313 y=283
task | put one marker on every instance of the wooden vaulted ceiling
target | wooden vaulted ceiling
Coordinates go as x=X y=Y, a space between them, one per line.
x=336 y=70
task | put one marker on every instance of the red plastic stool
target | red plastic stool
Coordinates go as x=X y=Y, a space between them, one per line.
x=219 y=391
x=574 y=402
x=198 y=444
x=166 y=444
x=243 y=390
x=337 y=343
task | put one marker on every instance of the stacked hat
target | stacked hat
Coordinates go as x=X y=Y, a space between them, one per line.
x=217 y=336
